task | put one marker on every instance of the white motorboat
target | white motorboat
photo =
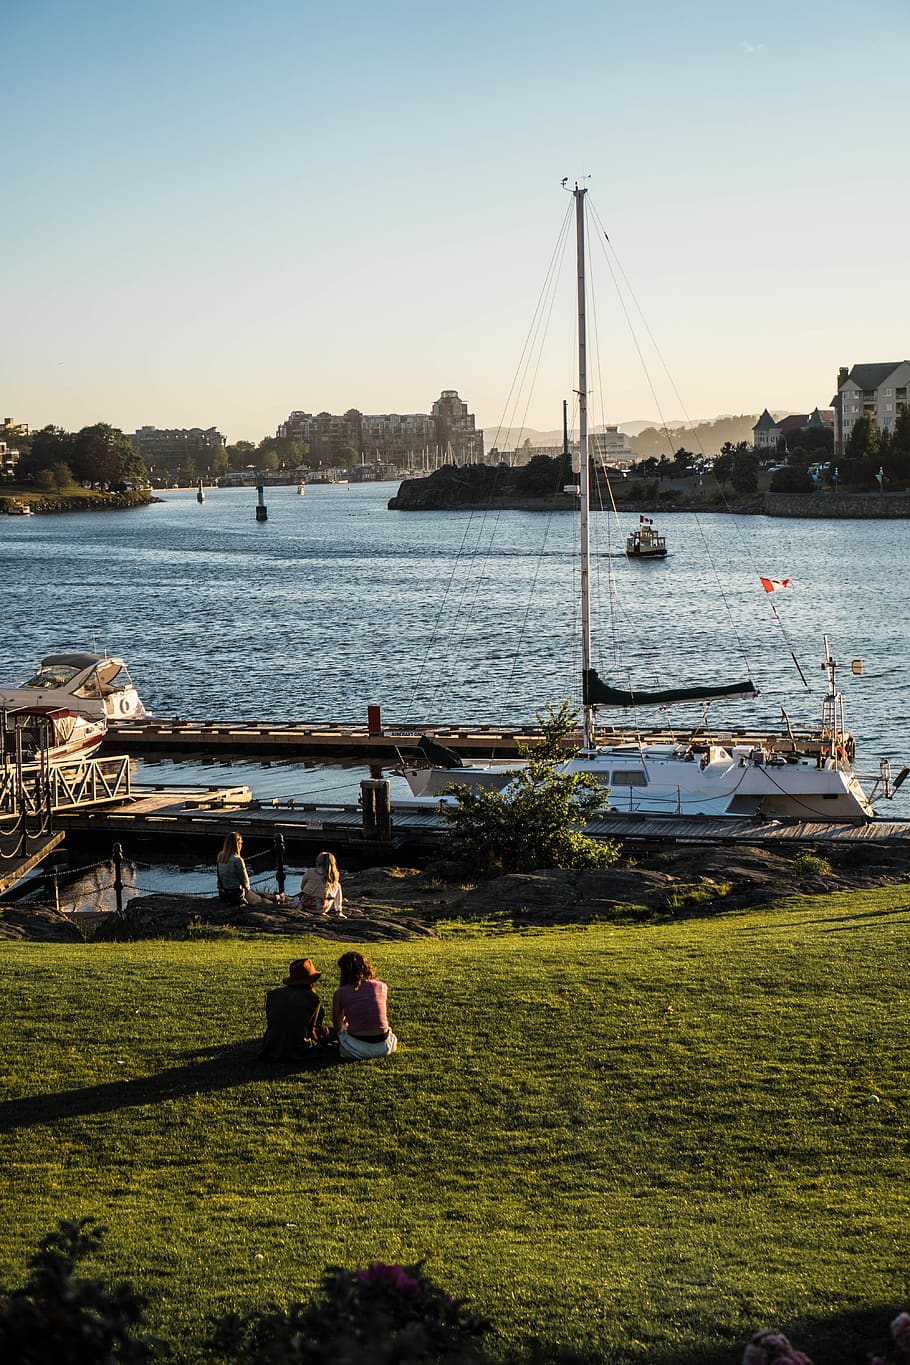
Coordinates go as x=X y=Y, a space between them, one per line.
x=775 y=776
x=50 y=734
x=92 y=685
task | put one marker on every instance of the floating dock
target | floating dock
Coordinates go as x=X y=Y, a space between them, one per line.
x=388 y=744
x=175 y=818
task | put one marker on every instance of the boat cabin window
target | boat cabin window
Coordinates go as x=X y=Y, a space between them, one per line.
x=52 y=675
x=629 y=777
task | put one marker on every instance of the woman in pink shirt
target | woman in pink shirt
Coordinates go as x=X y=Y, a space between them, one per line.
x=359 y=1011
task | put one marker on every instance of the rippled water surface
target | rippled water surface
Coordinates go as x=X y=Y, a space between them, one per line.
x=335 y=603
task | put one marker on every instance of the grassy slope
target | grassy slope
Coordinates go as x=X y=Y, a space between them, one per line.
x=647 y=1140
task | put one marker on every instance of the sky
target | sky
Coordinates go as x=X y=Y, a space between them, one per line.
x=216 y=212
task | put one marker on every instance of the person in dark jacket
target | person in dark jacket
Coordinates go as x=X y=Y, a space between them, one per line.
x=294 y=1016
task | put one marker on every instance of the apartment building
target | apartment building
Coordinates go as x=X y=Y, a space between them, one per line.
x=877 y=390
x=447 y=431
x=168 y=447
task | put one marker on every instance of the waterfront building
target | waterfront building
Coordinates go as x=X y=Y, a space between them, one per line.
x=407 y=440
x=9 y=458
x=769 y=433
x=172 y=446
x=877 y=390
x=610 y=446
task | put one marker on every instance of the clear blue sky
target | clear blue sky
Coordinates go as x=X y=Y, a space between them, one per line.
x=217 y=212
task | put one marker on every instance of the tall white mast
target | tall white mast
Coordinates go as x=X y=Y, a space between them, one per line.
x=584 y=481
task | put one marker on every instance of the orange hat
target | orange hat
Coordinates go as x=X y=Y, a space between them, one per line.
x=302 y=972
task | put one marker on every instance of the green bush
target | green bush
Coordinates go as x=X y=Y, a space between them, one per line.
x=533 y=822
x=811 y=865
x=58 y=1319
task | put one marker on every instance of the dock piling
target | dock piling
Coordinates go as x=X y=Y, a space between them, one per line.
x=377 y=810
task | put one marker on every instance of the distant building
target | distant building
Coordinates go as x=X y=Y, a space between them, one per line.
x=769 y=431
x=400 y=439
x=610 y=446
x=9 y=458
x=171 y=446
x=877 y=390
x=10 y=429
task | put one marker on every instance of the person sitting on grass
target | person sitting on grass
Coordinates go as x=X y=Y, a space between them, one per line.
x=359 y=1011
x=320 y=888
x=294 y=1015
x=234 y=880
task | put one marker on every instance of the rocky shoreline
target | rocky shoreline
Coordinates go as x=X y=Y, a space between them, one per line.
x=42 y=504
x=407 y=903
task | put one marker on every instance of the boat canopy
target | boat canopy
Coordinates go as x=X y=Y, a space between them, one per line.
x=598 y=693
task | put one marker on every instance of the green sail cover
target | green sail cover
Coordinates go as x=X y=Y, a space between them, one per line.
x=596 y=692
x=437 y=755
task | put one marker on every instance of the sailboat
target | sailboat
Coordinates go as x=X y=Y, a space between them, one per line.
x=771 y=776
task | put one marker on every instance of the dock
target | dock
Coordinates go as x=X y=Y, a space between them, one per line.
x=388 y=744
x=178 y=817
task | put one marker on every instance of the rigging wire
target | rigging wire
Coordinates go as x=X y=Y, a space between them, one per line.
x=606 y=241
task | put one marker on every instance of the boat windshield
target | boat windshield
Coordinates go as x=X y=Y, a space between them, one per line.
x=52 y=675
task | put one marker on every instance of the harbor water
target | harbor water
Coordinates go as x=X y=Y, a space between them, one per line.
x=335 y=603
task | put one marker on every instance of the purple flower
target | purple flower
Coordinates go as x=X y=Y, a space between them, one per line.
x=773 y=1348
x=900 y=1329
x=393 y=1275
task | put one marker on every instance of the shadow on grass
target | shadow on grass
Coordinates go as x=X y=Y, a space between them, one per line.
x=846 y=1338
x=206 y=1069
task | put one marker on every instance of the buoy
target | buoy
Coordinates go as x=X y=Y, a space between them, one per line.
x=262 y=512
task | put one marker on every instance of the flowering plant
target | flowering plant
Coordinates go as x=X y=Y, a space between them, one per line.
x=387 y=1313
x=773 y=1348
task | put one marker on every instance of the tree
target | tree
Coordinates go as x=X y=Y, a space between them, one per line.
x=723 y=465
x=346 y=457
x=744 y=474
x=103 y=457
x=534 y=822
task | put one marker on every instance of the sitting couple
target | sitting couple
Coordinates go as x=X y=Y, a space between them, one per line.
x=295 y=1017
x=320 y=886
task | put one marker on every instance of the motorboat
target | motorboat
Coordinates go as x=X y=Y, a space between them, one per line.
x=775 y=775
x=644 y=542
x=96 y=686
x=18 y=509
x=50 y=734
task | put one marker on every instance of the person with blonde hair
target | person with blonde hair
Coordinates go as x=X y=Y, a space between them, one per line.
x=359 y=1011
x=234 y=879
x=320 y=888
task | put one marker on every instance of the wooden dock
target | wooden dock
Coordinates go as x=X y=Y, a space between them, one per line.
x=388 y=744
x=17 y=865
x=176 y=818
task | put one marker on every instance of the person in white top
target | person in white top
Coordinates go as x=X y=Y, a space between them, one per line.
x=320 y=888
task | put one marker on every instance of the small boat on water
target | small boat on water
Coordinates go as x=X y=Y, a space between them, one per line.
x=644 y=542
x=51 y=733
x=92 y=685
x=19 y=509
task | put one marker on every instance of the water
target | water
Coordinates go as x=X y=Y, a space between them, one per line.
x=335 y=603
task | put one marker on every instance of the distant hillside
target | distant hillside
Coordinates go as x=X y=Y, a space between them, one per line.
x=711 y=431
x=701 y=437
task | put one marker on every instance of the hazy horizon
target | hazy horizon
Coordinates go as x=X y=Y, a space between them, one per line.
x=216 y=215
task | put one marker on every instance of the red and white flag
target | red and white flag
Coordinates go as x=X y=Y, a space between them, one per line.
x=772 y=584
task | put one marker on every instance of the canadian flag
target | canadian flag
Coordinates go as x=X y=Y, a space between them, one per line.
x=772 y=584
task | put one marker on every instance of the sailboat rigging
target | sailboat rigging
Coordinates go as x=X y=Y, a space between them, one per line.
x=769 y=775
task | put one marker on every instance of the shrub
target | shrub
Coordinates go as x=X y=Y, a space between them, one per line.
x=59 y=1319
x=533 y=822
x=811 y=865
x=384 y=1314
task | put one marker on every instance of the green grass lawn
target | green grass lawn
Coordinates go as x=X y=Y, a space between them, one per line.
x=644 y=1140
